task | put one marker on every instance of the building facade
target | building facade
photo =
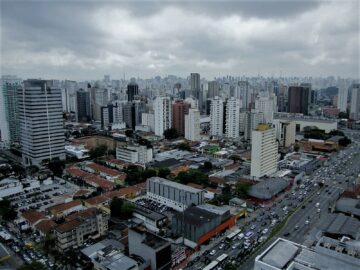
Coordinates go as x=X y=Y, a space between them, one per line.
x=41 y=123
x=217 y=117
x=83 y=113
x=179 y=110
x=266 y=105
x=355 y=102
x=264 y=151
x=232 y=127
x=162 y=115
x=298 y=99
x=192 y=125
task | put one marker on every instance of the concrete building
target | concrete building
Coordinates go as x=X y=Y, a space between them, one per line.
x=217 y=117
x=148 y=119
x=179 y=110
x=213 y=89
x=243 y=91
x=328 y=254
x=132 y=113
x=132 y=90
x=342 y=96
x=302 y=121
x=266 y=105
x=172 y=194
x=199 y=223
x=264 y=151
x=9 y=119
x=79 y=226
x=152 y=220
x=355 y=102
x=152 y=248
x=83 y=113
x=41 y=123
x=251 y=121
x=232 y=129
x=162 y=115
x=298 y=99
x=68 y=95
x=192 y=125
x=285 y=132
x=134 y=153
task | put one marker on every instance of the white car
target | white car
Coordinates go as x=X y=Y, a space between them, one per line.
x=212 y=252
x=241 y=236
x=265 y=231
x=307 y=222
x=318 y=210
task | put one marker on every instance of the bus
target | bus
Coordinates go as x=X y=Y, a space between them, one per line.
x=222 y=258
x=233 y=234
x=211 y=265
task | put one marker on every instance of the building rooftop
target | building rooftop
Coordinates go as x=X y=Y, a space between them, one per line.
x=280 y=254
x=340 y=224
x=348 y=206
x=151 y=240
x=64 y=206
x=268 y=188
x=33 y=216
x=45 y=225
x=196 y=216
x=102 y=169
x=170 y=162
x=174 y=184
x=152 y=215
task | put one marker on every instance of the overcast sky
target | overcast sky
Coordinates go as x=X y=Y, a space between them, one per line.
x=87 y=39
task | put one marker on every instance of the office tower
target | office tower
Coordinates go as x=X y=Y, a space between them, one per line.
x=132 y=113
x=342 y=96
x=217 y=117
x=266 y=105
x=107 y=79
x=162 y=115
x=192 y=125
x=148 y=119
x=9 y=120
x=41 y=123
x=285 y=132
x=179 y=109
x=355 y=102
x=232 y=128
x=177 y=89
x=264 y=151
x=68 y=95
x=195 y=82
x=243 y=92
x=298 y=99
x=282 y=98
x=132 y=90
x=252 y=120
x=98 y=98
x=213 y=89
x=83 y=113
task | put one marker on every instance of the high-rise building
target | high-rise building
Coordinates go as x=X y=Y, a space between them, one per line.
x=132 y=113
x=243 y=92
x=355 y=102
x=192 y=125
x=83 y=113
x=68 y=95
x=298 y=99
x=342 y=96
x=195 y=82
x=232 y=128
x=213 y=89
x=9 y=122
x=252 y=120
x=132 y=90
x=179 y=109
x=162 y=114
x=41 y=123
x=266 y=105
x=217 y=117
x=264 y=151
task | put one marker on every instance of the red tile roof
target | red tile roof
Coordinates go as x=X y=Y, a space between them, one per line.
x=33 y=216
x=89 y=212
x=76 y=172
x=64 y=206
x=95 y=180
x=82 y=192
x=45 y=225
x=194 y=185
x=68 y=226
x=97 y=200
x=100 y=168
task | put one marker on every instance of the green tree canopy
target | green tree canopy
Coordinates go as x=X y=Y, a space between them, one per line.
x=121 y=209
x=184 y=146
x=32 y=266
x=193 y=176
x=163 y=172
x=57 y=166
x=98 y=151
x=7 y=212
x=242 y=189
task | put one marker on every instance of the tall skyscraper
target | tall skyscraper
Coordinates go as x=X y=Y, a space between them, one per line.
x=252 y=120
x=132 y=113
x=217 y=117
x=213 y=89
x=232 y=128
x=195 y=82
x=162 y=115
x=9 y=121
x=298 y=101
x=264 y=151
x=192 y=125
x=83 y=113
x=179 y=109
x=41 y=123
x=355 y=102
x=342 y=96
x=267 y=105
x=132 y=90
x=243 y=92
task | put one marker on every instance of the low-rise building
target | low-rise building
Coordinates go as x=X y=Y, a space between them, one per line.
x=62 y=210
x=134 y=154
x=80 y=226
x=152 y=220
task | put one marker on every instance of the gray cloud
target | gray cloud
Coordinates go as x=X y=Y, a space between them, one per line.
x=83 y=40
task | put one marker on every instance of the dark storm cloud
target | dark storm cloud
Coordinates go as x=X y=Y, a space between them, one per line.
x=84 y=39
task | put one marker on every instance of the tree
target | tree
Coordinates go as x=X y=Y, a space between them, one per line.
x=98 y=151
x=163 y=172
x=7 y=212
x=129 y=133
x=336 y=132
x=229 y=266
x=57 y=166
x=32 y=169
x=296 y=148
x=208 y=165
x=242 y=189
x=344 y=141
x=184 y=146
x=32 y=266
x=171 y=133
x=193 y=176
x=121 y=209
x=133 y=175
x=150 y=172
x=145 y=142
x=343 y=115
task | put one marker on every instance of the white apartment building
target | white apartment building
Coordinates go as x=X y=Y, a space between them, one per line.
x=232 y=127
x=266 y=105
x=285 y=132
x=192 y=125
x=216 y=117
x=148 y=119
x=41 y=122
x=162 y=114
x=355 y=102
x=134 y=154
x=252 y=120
x=264 y=151
x=342 y=96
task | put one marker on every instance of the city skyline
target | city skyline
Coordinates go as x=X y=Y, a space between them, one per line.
x=84 y=40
